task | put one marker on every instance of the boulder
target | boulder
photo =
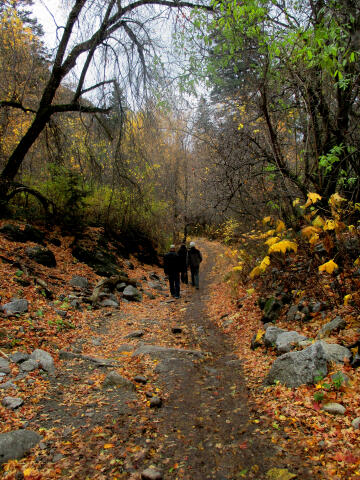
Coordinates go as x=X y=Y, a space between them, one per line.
x=298 y=368
x=136 y=334
x=32 y=234
x=132 y=293
x=115 y=379
x=29 y=365
x=12 y=402
x=19 y=357
x=337 y=324
x=291 y=314
x=12 y=232
x=287 y=340
x=78 y=281
x=46 y=362
x=271 y=310
x=14 y=445
x=109 y=303
x=334 y=408
x=41 y=255
x=16 y=306
x=271 y=335
x=335 y=353
x=99 y=259
x=120 y=287
x=356 y=423
x=4 y=366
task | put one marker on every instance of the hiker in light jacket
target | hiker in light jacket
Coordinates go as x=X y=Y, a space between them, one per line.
x=194 y=259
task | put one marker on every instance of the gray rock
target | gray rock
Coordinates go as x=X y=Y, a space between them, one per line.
x=120 y=287
x=19 y=357
x=61 y=313
x=136 y=334
x=33 y=234
x=271 y=335
x=151 y=474
x=4 y=366
x=65 y=355
x=12 y=232
x=291 y=314
x=149 y=295
x=356 y=423
x=12 y=402
x=76 y=304
x=41 y=255
x=335 y=353
x=132 y=293
x=305 y=343
x=125 y=348
x=155 y=285
x=285 y=341
x=140 y=379
x=155 y=402
x=115 y=379
x=297 y=368
x=337 y=324
x=334 y=408
x=16 y=306
x=14 y=445
x=109 y=303
x=29 y=365
x=271 y=309
x=46 y=362
x=8 y=385
x=96 y=342
x=78 y=281
x=158 y=351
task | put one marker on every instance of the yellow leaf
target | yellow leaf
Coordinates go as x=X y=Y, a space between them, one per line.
x=336 y=199
x=266 y=219
x=279 y=474
x=330 y=225
x=270 y=241
x=269 y=233
x=318 y=221
x=328 y=267
x=312 y=198
x=255 y=272
x=351 y=228
x=238 y=268
x=314 y=239
x=283 y=246
x=250 y=291
x=280 y=226
x=259 y=335
x=357 y=262
x=108 y=445
x=28 y=472
x=296 y=202
x=264 y=263
x=347 y=299
x=310 y=231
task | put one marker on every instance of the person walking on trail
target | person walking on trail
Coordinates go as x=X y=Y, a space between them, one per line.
x=172 y=270
x=183 y=256
x=194 y=259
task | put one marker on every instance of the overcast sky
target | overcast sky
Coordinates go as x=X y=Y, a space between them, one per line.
x=49 y=14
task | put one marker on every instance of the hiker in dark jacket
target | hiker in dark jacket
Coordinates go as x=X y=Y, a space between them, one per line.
x=172 y=270
x=194 y=260
x=183 y=255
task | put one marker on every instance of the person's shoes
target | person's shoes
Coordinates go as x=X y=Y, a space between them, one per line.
x=197 y=288
x=176 y=296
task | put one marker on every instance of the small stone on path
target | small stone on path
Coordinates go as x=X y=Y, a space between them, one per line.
x=155 y=402
x=115 y=379
x=141 y=379
x=14 y=445
x=29 y=365
x=137 y=334
x=356 y=423
x=151 y=474
x=4 y=366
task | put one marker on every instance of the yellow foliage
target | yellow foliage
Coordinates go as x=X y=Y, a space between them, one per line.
x=312 y=198
x=330 y=225
x=269 y=233
x=314 y=239
x=328 y=267
x=266 y=219
x=318 y=221
x=255 y=272
x=296 y=202
x=238 y=268
x=270 y=241
x=260 y=333
x=264 y=263
x=310 y=231
x=283 y=246
x=336 y=199
x=280 y=226
x=357 y=262
x=347 y=299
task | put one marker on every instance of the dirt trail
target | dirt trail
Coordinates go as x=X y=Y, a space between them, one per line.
x=205 y=424
x=204 y=429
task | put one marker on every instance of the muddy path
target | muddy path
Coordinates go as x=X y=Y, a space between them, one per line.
x=205 y=428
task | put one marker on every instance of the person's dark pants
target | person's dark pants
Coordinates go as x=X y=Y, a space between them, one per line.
x=195 y=276
x=184 y=276
x=174 y=282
